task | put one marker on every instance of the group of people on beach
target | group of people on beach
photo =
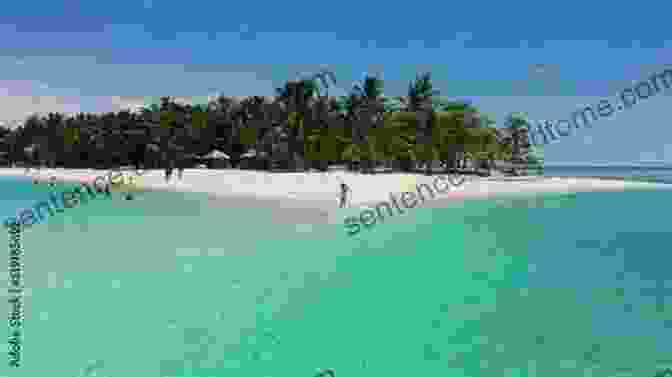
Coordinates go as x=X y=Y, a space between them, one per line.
x=345 y=189
x=53 y=180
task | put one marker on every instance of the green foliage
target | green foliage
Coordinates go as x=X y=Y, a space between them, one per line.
x=353 y=153
x=426 y=152
x=370 y=88
x=288 y=131
x=71 y=136
x=324 y=77
x=420 y=90
x=199 y=118
x=535 y=159
x=516 y=122
x=295 y=120
x=200 y=108
x=321 y=148
x=248 y=136
x=167 y=118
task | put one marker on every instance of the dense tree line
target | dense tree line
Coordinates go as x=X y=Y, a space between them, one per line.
x=300 y=128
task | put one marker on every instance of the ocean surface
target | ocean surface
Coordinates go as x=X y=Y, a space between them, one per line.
x=175 y=284
x=659 y=174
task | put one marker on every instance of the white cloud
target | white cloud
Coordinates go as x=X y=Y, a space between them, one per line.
x=19 y=99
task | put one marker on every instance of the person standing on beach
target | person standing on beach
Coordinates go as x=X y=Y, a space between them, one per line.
x=169 y=169
x=180 y=168
x=344 y=194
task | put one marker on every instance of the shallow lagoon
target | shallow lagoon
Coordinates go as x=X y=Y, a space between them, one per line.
x=175 y=285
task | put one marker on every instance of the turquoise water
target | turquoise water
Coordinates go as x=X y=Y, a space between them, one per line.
x=176 y=285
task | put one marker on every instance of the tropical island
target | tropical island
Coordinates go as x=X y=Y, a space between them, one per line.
x=301 y=128
x=279 y=147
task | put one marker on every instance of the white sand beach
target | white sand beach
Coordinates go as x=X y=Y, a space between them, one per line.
x=321 y=190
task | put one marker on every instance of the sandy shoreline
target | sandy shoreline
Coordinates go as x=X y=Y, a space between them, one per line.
x=320 y=191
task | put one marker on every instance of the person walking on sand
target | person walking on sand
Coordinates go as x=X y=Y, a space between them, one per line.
x=180 y=169
x=169 y=169
x=344 y=194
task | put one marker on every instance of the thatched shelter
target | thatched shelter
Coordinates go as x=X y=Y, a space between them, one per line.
x=217 y=159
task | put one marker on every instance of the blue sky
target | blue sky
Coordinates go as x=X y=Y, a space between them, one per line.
x=100 y=56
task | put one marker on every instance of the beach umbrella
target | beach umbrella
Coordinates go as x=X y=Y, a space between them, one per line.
x=251 y=153
x=217 y=154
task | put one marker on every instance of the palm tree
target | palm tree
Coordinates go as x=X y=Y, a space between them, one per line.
x=482 y=148
x=420 y=100
x=325 y=76
x=368 y=103
x=466 y=118
x=345 y=112
x=535 y=158
x=516 y=124
x=12 y=147
x=296 y=95
x=420 y=91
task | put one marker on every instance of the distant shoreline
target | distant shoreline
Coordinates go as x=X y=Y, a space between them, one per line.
x=313 y=198
x=318 y=187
